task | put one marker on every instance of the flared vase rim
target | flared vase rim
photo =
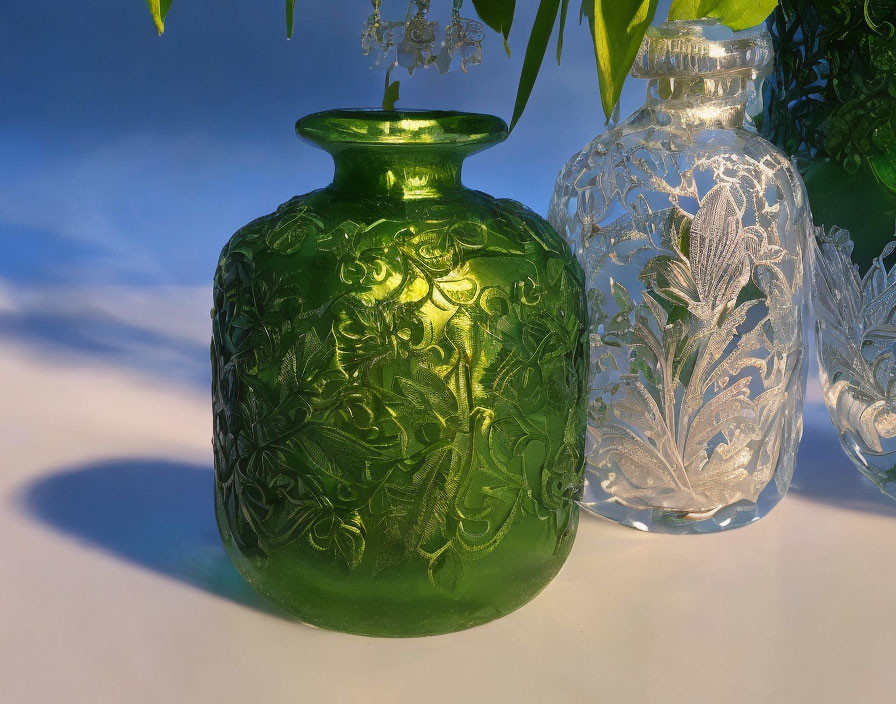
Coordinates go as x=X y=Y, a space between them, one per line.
x=346 y=127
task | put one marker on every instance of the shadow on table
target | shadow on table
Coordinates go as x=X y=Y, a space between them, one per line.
x=157 y=514
x=98 y=335
x=825 y=474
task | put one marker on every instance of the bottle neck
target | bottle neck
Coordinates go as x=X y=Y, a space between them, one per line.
x=701 y=101
x=409 y=172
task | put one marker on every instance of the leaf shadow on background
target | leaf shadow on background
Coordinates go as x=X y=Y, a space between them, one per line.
x=825 y=474
x=108 y=339
x=157 y=514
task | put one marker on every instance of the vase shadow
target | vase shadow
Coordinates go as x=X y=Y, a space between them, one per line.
x=154 y=513
x=825 y=474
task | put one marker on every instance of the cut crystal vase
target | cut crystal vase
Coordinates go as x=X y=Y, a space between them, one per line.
x=692 y=231
x=399 y=366
x=855 y=337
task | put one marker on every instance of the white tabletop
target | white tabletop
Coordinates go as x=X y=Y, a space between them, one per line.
x=114 y=586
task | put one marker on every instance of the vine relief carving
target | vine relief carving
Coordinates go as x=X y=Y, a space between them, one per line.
x=409 y=404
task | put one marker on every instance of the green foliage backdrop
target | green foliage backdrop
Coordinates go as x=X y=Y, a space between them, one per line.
x=833 y=92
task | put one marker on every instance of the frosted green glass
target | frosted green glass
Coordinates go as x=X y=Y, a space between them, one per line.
x=398 y=372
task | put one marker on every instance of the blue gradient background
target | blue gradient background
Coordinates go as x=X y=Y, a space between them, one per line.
x=130 y=158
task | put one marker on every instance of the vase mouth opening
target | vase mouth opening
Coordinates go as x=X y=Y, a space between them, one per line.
x=703 y=47
x=338 y=129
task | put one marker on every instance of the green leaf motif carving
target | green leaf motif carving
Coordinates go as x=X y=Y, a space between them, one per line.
x=398 y=407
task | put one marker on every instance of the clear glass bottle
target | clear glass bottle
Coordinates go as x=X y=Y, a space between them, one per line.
x=692 y=231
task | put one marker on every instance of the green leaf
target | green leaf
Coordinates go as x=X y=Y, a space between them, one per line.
x=390 y=95
x=290 y=17
x=691 y=9
x=736 y=14
x=884 y=168
x=535 y=50
x=739 y=15
x=159 y=10
x=497 y=14
x=617 y=28
x=564 y=8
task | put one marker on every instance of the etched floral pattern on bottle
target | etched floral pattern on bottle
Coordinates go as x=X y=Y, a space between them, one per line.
x=692 y=231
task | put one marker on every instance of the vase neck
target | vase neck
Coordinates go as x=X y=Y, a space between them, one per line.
x=405 y=154
x=701 y=102
x=702 y=74
x=407 y=173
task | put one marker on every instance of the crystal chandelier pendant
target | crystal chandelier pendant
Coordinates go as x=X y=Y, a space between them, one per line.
x=415 y=50
x=377 y=38
x=462 y=45
x=412 y=43
x=692 y=231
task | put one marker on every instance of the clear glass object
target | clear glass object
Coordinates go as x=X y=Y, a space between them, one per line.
x=855 y=333
x=692 y=231
x=398 y=368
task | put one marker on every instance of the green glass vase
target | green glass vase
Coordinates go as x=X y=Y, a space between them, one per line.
x=398 y=378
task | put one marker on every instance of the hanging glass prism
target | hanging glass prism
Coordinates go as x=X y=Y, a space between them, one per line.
x=412 y=43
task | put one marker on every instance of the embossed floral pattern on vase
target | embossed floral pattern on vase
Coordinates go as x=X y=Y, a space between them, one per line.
x=855 y=328
x=398 y=383
x=691 y=230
